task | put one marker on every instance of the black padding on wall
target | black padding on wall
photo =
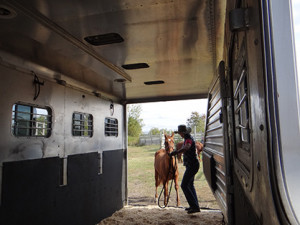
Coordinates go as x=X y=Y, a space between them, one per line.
x=82 y=168
x=31 y=193
x=209 y=169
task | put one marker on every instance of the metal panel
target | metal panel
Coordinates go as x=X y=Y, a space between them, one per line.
x=63 y=101
x=242 y=114
x=32 y=193
x=252 y=173
x=284 y=96
x=215 y=141
x=181 y=41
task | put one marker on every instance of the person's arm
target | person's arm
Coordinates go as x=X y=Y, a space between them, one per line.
x=183 y=149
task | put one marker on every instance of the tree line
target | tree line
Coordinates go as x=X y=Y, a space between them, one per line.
x=135 y=123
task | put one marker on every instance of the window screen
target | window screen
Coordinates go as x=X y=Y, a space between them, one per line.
x=82 y=124
x=111 y=127
x=31 y=121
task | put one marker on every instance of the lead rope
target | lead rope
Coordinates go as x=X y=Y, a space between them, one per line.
x=223 y=220
x=170 y=189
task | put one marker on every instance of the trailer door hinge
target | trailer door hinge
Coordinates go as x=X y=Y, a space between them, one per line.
x=239 y=19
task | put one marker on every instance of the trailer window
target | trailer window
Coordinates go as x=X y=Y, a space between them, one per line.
x=111 y=127
x=82 y=124
x=31 y=121
x=241 y=109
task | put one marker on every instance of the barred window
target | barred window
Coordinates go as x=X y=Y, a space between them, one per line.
x=32 y=121
x=82 y=124
x=111 y=127
x=241 y=97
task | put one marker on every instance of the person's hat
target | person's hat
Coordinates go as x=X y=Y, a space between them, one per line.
x=183 y=129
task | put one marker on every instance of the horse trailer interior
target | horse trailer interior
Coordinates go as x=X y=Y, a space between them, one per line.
x=69 y=68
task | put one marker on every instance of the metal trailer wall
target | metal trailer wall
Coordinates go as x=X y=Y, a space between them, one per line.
x=241 y=156
x=62 y=179
x=215 y=152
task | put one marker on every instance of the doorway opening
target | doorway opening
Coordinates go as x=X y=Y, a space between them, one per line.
x=147 y=123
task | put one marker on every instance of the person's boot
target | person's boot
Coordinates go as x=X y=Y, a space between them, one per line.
x=193 y=210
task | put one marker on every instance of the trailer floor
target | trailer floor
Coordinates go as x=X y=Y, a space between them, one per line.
x=136 y=215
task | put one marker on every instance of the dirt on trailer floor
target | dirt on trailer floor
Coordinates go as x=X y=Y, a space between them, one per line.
x=152 y=214
x=142 y=209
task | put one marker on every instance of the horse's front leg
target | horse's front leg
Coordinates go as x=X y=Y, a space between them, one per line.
x=156 y=196
x=166 y=193
x=177 y=190
x=179 y=157
x=156 y=185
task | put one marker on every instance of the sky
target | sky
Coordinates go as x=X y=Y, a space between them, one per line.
x=168 y=115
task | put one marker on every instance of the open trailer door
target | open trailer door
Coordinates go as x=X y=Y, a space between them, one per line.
x=247 y=140
x=216 y=153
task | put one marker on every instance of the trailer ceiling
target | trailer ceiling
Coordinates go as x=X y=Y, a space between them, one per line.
x=173 y=45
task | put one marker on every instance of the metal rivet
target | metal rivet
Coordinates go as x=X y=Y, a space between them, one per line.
x=261 y=127
x=258 y=165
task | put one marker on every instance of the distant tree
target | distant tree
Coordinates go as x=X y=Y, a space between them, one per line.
x=135 y=123
x=166 y=131
x=154 y=131
x=202 y=123
x=196 y=120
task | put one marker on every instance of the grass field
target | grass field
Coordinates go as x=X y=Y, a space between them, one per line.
x=141 y=182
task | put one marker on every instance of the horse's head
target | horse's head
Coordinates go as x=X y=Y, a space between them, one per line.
x=169 y=142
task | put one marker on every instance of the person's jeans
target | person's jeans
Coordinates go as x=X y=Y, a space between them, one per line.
x=187 y=184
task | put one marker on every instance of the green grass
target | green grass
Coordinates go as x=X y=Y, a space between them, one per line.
x=133 y=141
x=141 y=168
x=141 y=182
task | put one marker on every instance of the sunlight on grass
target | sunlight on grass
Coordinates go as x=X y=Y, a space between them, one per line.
x=141 y=182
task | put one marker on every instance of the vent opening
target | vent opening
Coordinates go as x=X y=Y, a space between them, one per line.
x=121 y=80
x=135 y=66
x=6 y=12
x=154 y=82
x=104 y=39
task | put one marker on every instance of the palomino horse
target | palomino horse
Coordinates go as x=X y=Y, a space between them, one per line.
x=166 y=169
x=199 y=148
